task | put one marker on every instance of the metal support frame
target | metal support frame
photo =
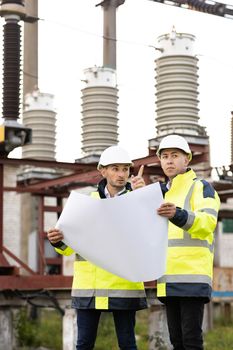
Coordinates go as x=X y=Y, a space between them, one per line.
x=82 y=174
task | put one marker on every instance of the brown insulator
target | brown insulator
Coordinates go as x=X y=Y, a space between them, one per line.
x=11 y=71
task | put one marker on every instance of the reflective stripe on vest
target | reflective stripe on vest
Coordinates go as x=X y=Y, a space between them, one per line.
x=63 y=247
x=185 y=279
x=110 y=293
x=187 y=240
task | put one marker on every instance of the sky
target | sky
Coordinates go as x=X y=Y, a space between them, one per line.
x=70 y=40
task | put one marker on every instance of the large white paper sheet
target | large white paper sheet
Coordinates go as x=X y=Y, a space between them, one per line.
x=123 y=235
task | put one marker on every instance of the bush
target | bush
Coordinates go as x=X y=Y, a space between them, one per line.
x=45 y=330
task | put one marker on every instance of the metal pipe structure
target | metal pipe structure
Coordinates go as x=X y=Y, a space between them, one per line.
x=109 y=29
x=30 y=57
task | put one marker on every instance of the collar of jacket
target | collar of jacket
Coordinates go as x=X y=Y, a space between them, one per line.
x=189 y=175
x=102 y=184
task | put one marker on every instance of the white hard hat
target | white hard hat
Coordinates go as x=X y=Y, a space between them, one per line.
x=174 y=141
x=114 y=155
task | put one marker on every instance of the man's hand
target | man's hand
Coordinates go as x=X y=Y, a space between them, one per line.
x=167 y=210
x=54 y=235
x=138 y=181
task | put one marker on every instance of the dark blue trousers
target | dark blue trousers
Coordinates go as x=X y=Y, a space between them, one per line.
x=184 y=318
x=88 y=321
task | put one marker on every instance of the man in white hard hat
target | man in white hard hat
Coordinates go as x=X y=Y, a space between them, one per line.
x=191 y=206
x=95 y=290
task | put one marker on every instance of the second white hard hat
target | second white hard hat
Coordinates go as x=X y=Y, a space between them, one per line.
x=114 y=155
x=174 y=141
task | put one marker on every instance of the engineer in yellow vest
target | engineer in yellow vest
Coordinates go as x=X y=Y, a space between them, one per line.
x=191 y=205
x=95 y=290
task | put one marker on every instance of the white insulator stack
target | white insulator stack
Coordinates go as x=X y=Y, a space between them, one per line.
x=177 y=86
x=39 y=115
x=99 y=110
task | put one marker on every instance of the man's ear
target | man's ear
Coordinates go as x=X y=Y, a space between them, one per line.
x=187 y=160
x=102 y=171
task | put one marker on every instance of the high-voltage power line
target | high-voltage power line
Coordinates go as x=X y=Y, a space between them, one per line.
x=207 y=6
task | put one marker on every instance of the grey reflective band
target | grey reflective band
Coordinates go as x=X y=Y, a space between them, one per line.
x=187 y=241
x=79 y=258
x=63 y=247
x=111 y=293
x=189 y=195
x=209 y=211
x=185 y=279
x=191 y=215
x=190 y=221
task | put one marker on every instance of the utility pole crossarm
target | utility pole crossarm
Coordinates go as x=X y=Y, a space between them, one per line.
x=207 y=6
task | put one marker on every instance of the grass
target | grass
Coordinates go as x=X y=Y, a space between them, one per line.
x=221 y=337
x=46 y=331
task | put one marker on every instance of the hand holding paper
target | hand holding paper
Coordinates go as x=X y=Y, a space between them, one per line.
x=123 y=235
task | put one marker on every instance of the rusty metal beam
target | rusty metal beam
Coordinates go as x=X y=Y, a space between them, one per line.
x=84 y=177
x=53 y=208
x=223 y=185
x=4 y=265
x=223 y=280
x=40 y=233
x=81 y=179
x=200 y=158
x=225 y=214
x=20 y=262
x=48 y=164
x=224 y=189
x=148 y=160
x=64 y=184
x=61 y=192
x=35 y=282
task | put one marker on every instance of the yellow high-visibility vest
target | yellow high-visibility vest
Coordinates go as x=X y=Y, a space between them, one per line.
x=189 y=268
x=92 y=281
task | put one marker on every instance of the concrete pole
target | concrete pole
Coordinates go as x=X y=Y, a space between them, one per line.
x=69 y=329
x=30 y=63
x=6 y=329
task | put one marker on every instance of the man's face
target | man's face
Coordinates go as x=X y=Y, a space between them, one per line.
x=116 y=175
x=173 y=162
